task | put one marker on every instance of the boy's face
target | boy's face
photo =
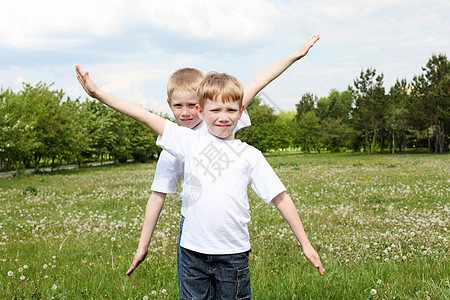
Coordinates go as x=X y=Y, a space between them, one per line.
x=182 y=104
x=221 y=118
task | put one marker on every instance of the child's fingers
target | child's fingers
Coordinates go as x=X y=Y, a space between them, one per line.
x=131 y=269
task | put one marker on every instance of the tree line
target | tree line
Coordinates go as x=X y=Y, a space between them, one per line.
x=365 y=117
x=39 y=126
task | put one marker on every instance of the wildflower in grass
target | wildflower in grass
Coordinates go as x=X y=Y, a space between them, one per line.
x=54 y=287
x=145 y=298
x=113 y=239
x=45 y=266
x=373 y=292
x=20 y=270
x=163 y=291
x=22 y=277
x=25 y=266
x=379 y=281
x=10 y=273
x=153 y=292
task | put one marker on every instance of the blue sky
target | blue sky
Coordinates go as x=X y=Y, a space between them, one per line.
x=131 y=47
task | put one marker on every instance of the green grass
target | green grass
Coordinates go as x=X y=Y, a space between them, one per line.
x=380 y=224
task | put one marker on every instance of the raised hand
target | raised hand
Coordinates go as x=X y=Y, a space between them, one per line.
x=303 y=50
x=86 y=82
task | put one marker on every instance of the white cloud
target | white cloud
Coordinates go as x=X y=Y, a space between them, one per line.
x=46 y=23
x=131 y=47
x=234 y=20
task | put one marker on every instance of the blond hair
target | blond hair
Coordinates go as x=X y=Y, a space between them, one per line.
x=215 y=84
x=186 y=79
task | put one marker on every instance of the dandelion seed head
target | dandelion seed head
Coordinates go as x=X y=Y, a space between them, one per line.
x=10 y=273
x=373 y=291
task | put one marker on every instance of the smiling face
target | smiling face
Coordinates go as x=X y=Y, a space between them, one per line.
x=221 y=118
x=182 y=104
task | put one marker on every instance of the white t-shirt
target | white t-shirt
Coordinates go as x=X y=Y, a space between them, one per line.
x=214 y=197
x=169 y=169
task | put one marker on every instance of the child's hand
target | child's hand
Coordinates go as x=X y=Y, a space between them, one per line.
x=138 y=258
x=86 y=82
x=303 y=50
x=313 y=257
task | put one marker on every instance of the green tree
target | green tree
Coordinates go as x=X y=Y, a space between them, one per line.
x=50 y=120
x=334 y=114
x=308 y=131
x=397 y=114
x=18 y=137
x=369 y=102
x=437 y=91
x=264 y=133
x=142 y=142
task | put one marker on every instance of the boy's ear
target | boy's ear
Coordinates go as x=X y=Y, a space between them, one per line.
x=199 y=111
x=168 y=101
x=242 y=110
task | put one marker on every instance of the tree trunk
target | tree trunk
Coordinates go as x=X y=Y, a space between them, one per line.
x=37 y=158
x=393 y=141
x=442 y=139
x=429 y=141
x=438 y=135
x=60 y=161
x=372 y=147
x=405 y=144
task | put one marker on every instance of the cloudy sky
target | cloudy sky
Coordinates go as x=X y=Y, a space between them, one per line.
x=131 y=47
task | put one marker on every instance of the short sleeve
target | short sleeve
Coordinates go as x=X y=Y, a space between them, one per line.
x=168 y=170
x=176 y=139
x=244 y=121
x=264 y=181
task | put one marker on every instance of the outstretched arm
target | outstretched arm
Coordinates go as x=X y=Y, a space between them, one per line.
x=268 y=75
x=152 y=211
x=287 y=209
x=137 y=112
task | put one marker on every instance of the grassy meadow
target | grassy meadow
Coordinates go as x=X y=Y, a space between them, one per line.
x=380 y=224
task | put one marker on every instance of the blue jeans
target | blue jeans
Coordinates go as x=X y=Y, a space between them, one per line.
x=207 y=276
x=179 y=254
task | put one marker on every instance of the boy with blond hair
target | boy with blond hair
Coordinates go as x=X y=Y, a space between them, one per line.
x=215 y=242
x=182 y=101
